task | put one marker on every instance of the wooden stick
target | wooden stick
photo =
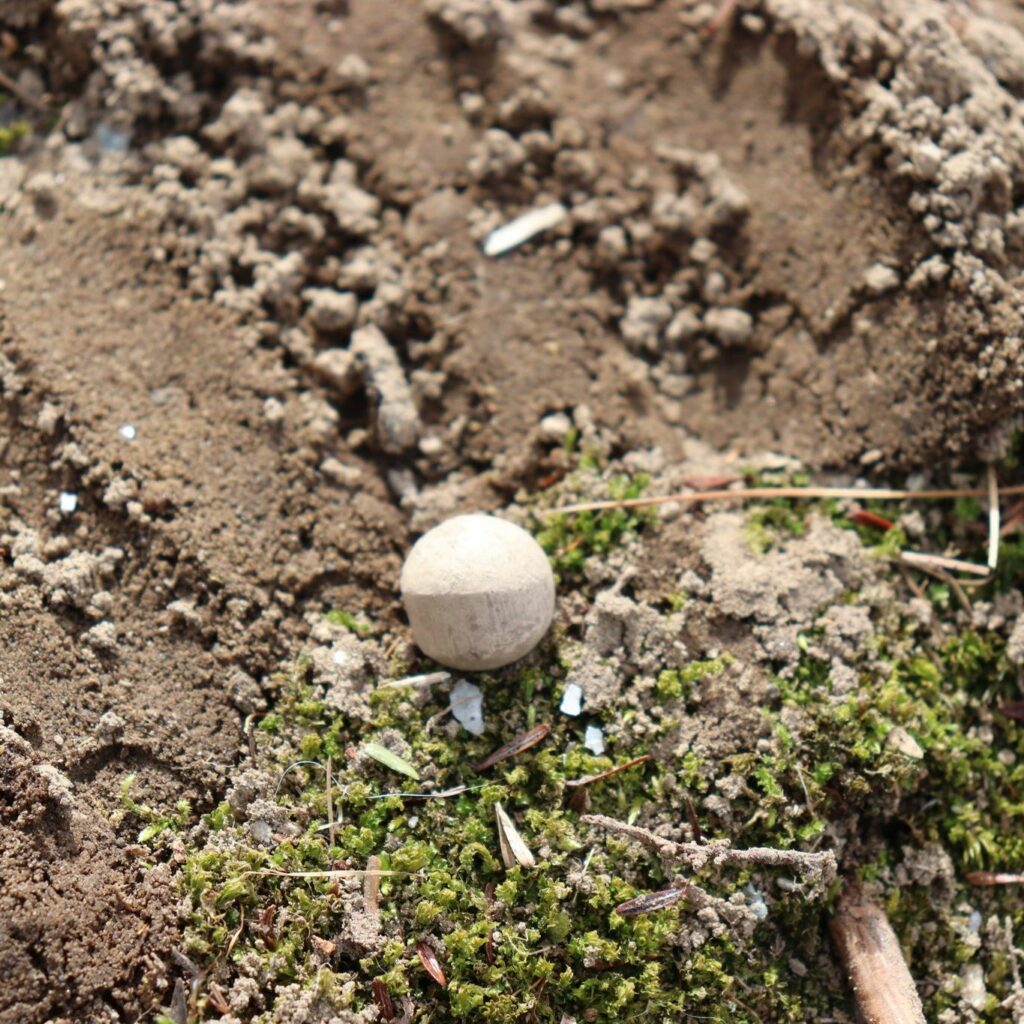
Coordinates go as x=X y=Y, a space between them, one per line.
x=870 y=952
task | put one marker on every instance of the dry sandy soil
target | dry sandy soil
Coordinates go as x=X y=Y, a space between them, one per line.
x=792 y=227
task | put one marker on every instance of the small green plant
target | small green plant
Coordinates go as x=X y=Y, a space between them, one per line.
x=158 y=822
x=338 y=617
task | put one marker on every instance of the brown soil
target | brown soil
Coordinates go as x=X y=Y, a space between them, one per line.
x=254 y=496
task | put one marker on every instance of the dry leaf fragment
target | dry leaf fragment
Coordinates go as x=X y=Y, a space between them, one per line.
x=382 y=998
x=649 y=902
x=513 y=850
x=431 y=964
x=522 y=742
x=390 y=759
x=324 y=946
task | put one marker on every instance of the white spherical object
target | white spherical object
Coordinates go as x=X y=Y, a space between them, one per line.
x=479 y=592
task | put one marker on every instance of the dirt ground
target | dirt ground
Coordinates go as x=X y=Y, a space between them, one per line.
x=792 y=228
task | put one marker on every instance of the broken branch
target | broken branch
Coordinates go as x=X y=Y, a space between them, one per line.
x=870 y=952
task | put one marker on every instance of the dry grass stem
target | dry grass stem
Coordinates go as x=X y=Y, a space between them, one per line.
x=882 y=986
x=330 y=805
x=371 y=886
x=761 y=493
x=428 y=679
x=993 y=517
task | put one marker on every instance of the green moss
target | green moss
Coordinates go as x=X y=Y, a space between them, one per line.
x=678 y=683
x=349 y=621
x=535 y=944
x=769 y=525
x=570 y=540
x=158 y=822
x=11 y=134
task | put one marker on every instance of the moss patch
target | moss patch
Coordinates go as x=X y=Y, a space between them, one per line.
x=911 y=755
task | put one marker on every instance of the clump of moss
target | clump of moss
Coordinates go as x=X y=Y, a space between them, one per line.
x=339 y=617
x=570 y=540
x=537 y=943
x=11 y=134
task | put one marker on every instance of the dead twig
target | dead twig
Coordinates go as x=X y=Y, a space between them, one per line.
x=522 y=742
x=870 y=952
x=937 y=572
x=608 y=772
x=762 y=493
x=19 y=94
x=819 y=869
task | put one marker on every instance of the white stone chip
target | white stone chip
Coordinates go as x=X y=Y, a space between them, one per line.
x=67 y=502
x=572 y=700
x=522 y=229
x=467 y=704
x=593 y=740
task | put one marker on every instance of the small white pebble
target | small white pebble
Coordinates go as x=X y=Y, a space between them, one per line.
x=467 y=704
x=572 y=700
x=879 y=278
x=128 y=431
x=67 y=503
x=554 y=427
x=593 y=740
x=522 y=229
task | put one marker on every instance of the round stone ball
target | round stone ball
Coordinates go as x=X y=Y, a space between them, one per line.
x=479 y=592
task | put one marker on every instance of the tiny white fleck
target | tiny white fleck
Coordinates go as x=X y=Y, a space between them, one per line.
x=413 y=821
x=128 y=431
x=593 y=740
x=572 y=700
x=467 y=706
x=67 y=502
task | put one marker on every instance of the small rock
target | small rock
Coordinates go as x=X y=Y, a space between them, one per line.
x=572 y=700
x=467 y=704
x=730 y=326
x=901 y=740
x=331 y=310
x=110 y=727
x=879 y=278
x=554 y=427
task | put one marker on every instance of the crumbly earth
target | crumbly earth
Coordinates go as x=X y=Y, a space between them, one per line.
x=250 y=347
